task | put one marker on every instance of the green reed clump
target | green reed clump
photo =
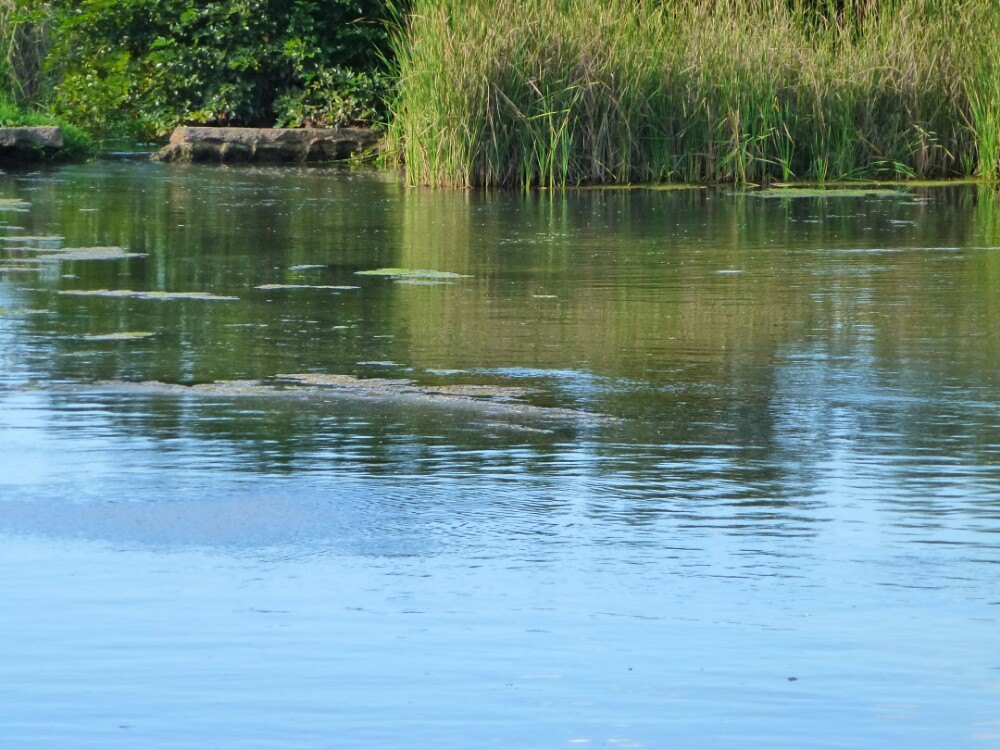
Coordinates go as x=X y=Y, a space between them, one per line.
x=561 y=92
x=23 y=48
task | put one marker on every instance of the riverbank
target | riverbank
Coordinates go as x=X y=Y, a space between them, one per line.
x=580 y=93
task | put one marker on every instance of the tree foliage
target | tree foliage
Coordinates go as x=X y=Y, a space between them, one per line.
x=147 y=65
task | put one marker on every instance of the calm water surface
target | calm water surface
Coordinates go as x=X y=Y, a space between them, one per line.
x=802 y=479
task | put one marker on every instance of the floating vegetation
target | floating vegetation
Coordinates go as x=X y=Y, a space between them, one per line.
x=165 y=296
x=306 y=286
x=483 y=400
x=23 y=312
x=90 y=253
x=345 y=381
x=14 y=204
x=495 y=392
x=412 y=274
x=824 y=193
x=119 y=336
x=31 y=239
x=405 y=386
x=423 y=282
x=22 y=263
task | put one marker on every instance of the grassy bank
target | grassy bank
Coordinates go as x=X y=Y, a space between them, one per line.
x=562 y=92
x=79 y=143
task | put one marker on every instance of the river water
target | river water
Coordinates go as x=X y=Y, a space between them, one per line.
x=774 y=523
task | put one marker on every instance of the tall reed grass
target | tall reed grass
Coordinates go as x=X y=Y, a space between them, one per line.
x=562 y=92
x=23 y=49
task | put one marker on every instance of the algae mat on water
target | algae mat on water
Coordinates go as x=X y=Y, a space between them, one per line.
x=165 y=296
x=412 y=274
x=268 y=287
x=823 y=193
x=403 y=385
x=484 y=400
x=119 y=336
x=89 y=253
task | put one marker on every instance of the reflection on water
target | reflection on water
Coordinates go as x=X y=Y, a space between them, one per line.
x=801 y=479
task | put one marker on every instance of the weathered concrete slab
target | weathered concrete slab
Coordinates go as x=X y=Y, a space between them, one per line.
x=28 y=144
x=227 y=145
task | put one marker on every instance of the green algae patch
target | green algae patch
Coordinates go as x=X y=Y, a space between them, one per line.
x=492 y=392
x=18 y=311
x=326 y=380
x=824 y=193
x=13 y=266
x=268 y=287
x=390 y=386
x=89 y=253
x=164 y=296
x=423 y=282
x=31 y=239
x=412 y=274
x=119 y=336
x=658 y=186
x=483 y=401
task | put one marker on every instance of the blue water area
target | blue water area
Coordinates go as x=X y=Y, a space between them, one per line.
x=742 y=489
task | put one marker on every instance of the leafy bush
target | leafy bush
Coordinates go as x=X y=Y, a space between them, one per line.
x=145 y=66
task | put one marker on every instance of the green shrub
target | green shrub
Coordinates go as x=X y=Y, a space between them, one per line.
x=145 y=66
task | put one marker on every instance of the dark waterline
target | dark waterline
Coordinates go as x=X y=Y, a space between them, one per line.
x=798 y=478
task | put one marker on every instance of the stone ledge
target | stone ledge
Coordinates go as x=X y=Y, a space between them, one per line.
x=29 y=143
x=228 y=145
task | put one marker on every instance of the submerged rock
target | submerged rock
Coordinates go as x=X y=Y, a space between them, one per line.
x=203 y=144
